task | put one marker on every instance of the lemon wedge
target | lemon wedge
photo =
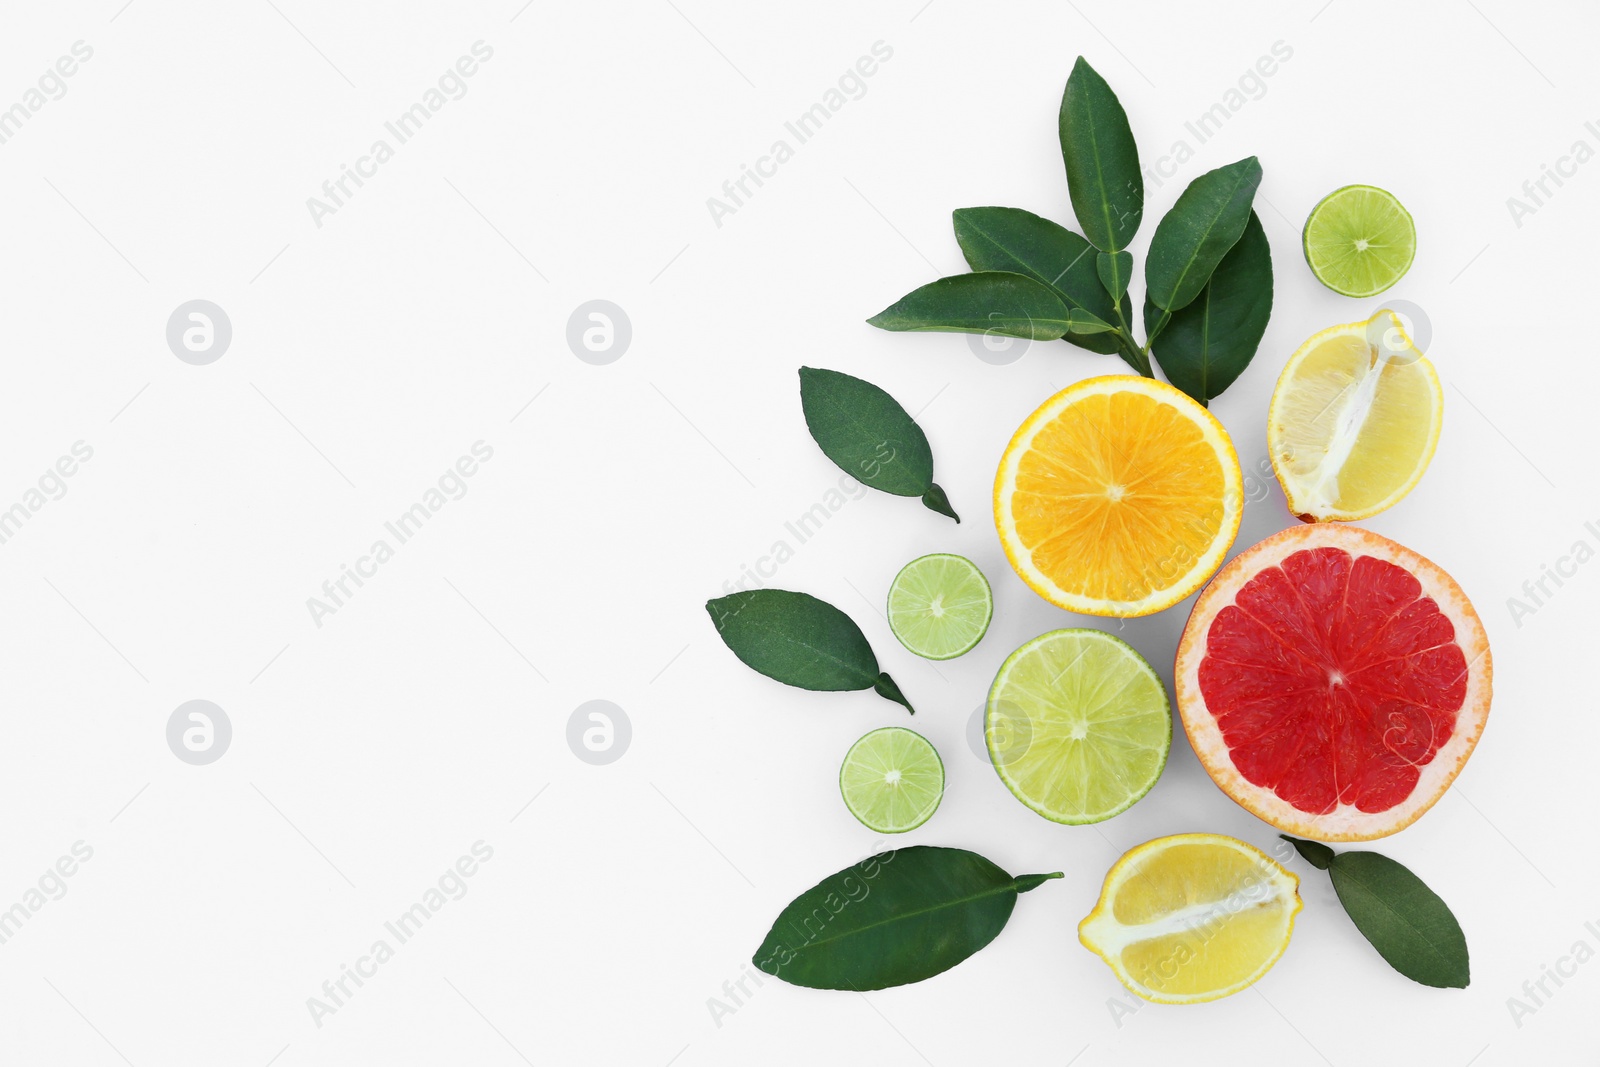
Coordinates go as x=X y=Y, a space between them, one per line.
x=1354 y=420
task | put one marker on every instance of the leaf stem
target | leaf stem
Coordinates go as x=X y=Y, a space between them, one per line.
x=885 y=687
x=1122 y=320
x=936 y=500
x=1155 y=331
x=1136 y=358
x=1315 y=853
x=1025 y=882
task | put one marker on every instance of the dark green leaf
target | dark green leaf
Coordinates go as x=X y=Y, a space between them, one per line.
x=1207 y=344
x=1012 y=305
x=1106 y=343
x=800 y=641
x=1115 y=269
x=1313 y=852
x=1405 y=920
x=1010 y=239
x=898 y=917
x=869 y=435
x=1102 y=161
x=1192 y=238
x=1080 y=322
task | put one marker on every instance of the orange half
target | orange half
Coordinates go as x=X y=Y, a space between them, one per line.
x=1119 y=496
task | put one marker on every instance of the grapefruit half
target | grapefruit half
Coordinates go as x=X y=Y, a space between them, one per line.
x=1333 y=682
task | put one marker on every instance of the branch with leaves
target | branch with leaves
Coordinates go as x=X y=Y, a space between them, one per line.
x=1208 y=276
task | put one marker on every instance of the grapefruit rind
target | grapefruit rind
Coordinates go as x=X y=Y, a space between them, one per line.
x=1101 y=933
x=1206 y=563
x=1345 y=822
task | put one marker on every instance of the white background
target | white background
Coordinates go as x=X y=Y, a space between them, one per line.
x=368 y=354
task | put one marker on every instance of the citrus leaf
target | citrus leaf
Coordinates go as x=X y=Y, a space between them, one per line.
x=1012 y=305
x=1102 y=161
x=800 y=641
x=1115 y=270
x=870 y=436
x=1080 y=322
x=1191 y=239
x=1313 y=852
x=894 y=918
x=1405 y=920
x=1106 y=343
x=1011 y=239
x=1208 y=343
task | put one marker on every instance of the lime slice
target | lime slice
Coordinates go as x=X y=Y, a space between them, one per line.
x=1078 y=725
x=940 y=606
x=1359 y=240
x=892 y=780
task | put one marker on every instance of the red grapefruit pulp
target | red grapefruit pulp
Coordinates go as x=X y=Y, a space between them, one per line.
x=1333 y=682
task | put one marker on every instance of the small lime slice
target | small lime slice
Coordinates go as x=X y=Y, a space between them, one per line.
x=892 y=780
x=1359 y=240
x=940 y=605
x=1078 y=725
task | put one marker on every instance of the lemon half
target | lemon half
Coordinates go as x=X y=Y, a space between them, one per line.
x=1192 y=917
